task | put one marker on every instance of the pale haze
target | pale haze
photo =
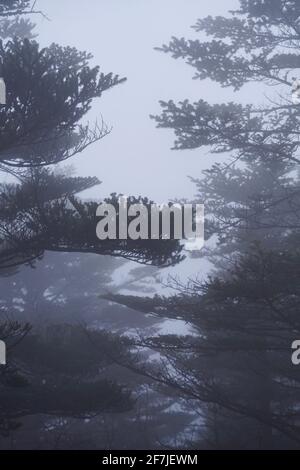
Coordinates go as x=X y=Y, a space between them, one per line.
x=135 y=159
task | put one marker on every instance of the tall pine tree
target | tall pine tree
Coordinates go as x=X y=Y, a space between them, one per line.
x=244 y=318
x=49 y=92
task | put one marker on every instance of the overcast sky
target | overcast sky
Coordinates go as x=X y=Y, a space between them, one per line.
x=121 y=34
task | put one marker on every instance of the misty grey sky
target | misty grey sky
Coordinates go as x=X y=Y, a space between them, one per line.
x=121 y=34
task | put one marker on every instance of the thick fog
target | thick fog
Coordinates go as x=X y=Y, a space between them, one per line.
x=108 y=342
x=136 y=158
